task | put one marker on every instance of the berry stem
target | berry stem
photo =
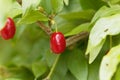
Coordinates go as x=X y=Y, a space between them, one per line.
x=53 y=68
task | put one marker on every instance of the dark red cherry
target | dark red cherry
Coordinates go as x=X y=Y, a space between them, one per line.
x=8 y=31
x=57 y=42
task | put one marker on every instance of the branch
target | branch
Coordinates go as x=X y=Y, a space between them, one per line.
x=69 y=41
x=45 y=28
x=73 y=39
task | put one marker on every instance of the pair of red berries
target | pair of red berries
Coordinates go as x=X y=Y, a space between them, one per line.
x=57 y=42
x=8 y=31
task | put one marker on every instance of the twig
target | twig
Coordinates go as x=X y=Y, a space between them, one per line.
x=76 y=38
x=45 y=28
x=69 y=41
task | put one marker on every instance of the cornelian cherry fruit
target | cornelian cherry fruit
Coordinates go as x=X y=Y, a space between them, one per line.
x=57 y=42
x=8 y=31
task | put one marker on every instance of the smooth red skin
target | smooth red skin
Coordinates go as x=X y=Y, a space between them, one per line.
x=8 y=30
x=57 y=42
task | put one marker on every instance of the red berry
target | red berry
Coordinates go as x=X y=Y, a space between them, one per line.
x=8 y=30
x=57 y=42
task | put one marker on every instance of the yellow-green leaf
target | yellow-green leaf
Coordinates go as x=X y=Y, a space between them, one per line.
x=8 y=8
x=103 y=27
x=109 y=63
x=57 y=5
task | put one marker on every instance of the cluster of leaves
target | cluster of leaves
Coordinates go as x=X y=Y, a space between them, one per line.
x=28 y=56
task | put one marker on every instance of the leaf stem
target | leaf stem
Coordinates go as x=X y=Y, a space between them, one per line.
x=53 y=68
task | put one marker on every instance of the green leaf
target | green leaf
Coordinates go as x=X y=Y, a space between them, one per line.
x=73 y=6
x=93 y=70
x=116 y=76
x=8 y=5
x=46 y=5
x=43 y=48
x=39 y=68
x=12 y=79
x=27 y=4
x=106 y=11
x=16 y=10
x=109 y=63
x=66 y=27
x=31 y=17
x=69 y=76
x=112 y=1
x=78 y=29
x=77 y=65
x=17 y=73
x=60 y=71
x=8 y=8
x=86 y=15
x=19 y=31
x=66 y=2
x=93 y=50
x=30 y=12
x=99 y=13
x=49 y=57
x=103 y=27
x=91 y=4
x=115 y=40
x=57 y=5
